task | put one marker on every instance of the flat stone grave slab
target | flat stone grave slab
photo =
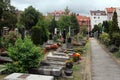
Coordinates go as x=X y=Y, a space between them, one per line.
x=51 y=70
x=5 y=60
x=52 y=57
x=57 y=63
x=58 y=53
x=47 y=70
x=21 y=76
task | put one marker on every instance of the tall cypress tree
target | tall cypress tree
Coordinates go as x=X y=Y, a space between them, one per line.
x=114 y=28
x=74 y=24
x=114 y=31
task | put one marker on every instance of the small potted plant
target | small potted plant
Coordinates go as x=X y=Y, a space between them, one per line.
x=68 y=70
x=69 y=64
x=76 y=57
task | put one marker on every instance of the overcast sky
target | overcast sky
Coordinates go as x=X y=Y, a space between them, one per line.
x=78 y=6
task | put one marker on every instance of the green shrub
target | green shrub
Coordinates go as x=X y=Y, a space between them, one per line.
x=36 y=35
x=39 y=35
x=80 y=36
x=9 y=39
x=116 y=39
x=55 y=38
x=25 y=55
x=105 y=38
x=113 y=48
x=118 y=54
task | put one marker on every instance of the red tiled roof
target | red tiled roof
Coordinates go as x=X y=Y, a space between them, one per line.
x=83 y=18
x=98 y=11
x=58 y=12
x=110 y=10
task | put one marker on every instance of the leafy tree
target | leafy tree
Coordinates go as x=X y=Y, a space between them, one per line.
x=84 y=30
x=9 y=39
x=8 y=16
x=67 y=11
x=9 y=19
x=53 y=25
x=96 y=28
x=64 y=22
x=74 y=23
x=100 y=28
x=30 y=17
x=105 y=26
x=67 y=21
x=25 y=55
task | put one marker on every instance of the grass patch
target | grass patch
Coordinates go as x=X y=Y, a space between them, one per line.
x=76 y=67
x=2 y=77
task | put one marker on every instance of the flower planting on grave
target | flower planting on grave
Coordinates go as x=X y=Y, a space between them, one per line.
x=69 y=64
x=76 y=57
x=52 y=46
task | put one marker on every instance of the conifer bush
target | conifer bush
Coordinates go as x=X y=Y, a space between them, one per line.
x=25 y=55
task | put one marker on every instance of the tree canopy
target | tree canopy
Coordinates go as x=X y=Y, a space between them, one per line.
x=67 y=11
x=114 y=31
x=64 y=22
x=30 y=17
x=74 y=23
x=8 y=16
x=53 y=25
x=96 y=28
x=114 y=27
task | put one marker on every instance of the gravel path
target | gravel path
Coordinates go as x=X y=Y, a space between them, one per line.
x=103 y=66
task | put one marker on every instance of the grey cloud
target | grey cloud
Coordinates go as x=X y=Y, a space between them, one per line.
x=79 y=6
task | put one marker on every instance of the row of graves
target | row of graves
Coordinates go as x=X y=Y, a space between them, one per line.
x=59 y=59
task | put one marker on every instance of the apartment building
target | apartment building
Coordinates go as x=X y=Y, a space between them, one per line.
x=84 y=21
x=109 y=12
x=118 y=16
x=96 y=17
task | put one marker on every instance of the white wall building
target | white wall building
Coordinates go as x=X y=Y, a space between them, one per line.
x=118 y=14
x=97 y=17
x=109 y=12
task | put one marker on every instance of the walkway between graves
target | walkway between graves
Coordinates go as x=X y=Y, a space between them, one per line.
x=103 y=66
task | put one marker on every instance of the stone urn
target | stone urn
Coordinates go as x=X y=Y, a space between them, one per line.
x=68 y=72
x=69 y=65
